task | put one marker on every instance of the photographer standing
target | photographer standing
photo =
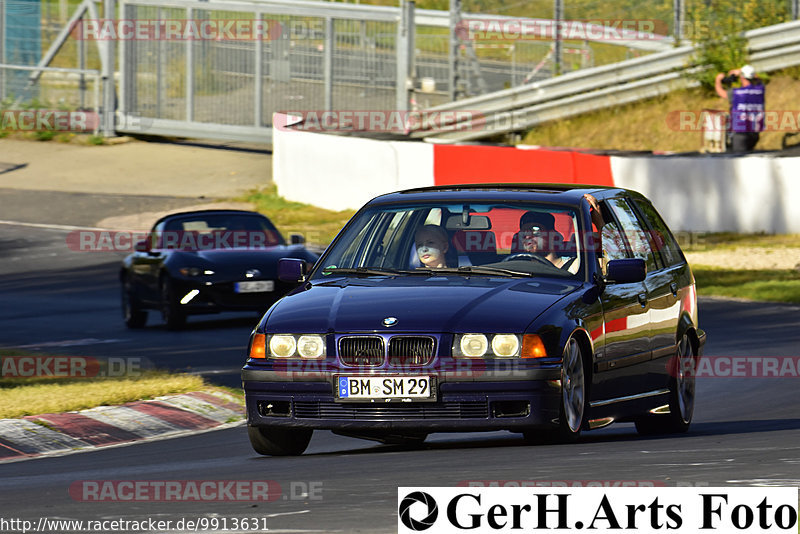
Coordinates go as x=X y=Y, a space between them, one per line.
x=747 y=106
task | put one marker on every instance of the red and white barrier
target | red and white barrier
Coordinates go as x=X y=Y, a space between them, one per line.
x=720 y=193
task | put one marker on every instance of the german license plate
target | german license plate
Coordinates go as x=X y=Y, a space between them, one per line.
x=385 y=387
x=254 y=286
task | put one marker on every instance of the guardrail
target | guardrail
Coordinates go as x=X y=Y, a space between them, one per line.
x=520 y=108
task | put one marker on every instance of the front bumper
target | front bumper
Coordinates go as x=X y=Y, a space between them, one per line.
x=492 y=401
x=221 y=295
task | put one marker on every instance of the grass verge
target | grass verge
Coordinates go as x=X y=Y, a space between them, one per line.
x=21 y=396
x=318 y=225
x=764 y=285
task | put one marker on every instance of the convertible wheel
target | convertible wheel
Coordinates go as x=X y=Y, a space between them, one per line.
x=173 y=316
x=681 y=396
x=132 y=313
x=279 y=441
x=572 y=416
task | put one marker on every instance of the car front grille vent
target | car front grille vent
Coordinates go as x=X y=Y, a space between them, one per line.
x=362 y=351
x=406 y=351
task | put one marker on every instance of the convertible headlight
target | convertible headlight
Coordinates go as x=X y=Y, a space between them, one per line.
x=191 y=271
x=308 y=346
x=486 y=346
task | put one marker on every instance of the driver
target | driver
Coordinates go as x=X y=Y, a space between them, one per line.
x=538 y=235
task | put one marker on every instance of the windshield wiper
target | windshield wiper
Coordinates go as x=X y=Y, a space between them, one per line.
x=364 y=271
x=471 y=269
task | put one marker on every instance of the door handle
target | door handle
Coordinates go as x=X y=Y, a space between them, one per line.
x=643 y=299
x=674 y=287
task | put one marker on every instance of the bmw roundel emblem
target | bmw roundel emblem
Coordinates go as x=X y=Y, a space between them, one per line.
x=390 y=321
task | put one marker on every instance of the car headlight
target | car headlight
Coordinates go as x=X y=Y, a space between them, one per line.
x=473 y=345
x=497 y=346
x=310 y=346
x=193 y=271
x=505 y=345
x=307 y=346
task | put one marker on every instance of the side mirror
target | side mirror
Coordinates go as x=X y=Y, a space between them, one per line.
x=291 y=270
x=296 y=239
x=142 y=246
x=626 y=271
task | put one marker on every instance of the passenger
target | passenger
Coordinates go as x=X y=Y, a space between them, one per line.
x=432 y=244
x=538 y=235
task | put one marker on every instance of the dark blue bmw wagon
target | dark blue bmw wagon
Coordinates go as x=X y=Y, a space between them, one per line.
x=535 y=308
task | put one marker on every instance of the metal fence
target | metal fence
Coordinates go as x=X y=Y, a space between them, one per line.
x=309 y=57
x=314 y=56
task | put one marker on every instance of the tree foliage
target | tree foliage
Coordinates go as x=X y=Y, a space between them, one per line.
x=717 y=29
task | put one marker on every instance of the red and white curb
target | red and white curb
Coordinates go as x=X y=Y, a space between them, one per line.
x=65 y=433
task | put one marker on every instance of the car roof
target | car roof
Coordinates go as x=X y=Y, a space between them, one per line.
x=541 y=192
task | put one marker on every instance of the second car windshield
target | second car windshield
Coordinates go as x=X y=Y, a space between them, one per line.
x=218 y=231
x=482 y=239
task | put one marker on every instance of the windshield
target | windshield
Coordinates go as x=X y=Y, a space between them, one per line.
x=471 y=239
x=209 y=231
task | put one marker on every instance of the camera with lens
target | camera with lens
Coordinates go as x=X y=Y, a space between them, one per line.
x=730 y=78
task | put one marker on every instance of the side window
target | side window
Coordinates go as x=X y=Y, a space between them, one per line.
x=633 y=232
x=613 y=243
x=661 y=238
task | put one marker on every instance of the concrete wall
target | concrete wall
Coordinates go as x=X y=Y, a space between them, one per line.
x=755 y=193
x=338 y=172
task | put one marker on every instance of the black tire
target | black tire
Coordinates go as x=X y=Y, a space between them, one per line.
x=132 y=313
x=574 y=400
x=681 y=395
x=279 y=441
x=173 y=316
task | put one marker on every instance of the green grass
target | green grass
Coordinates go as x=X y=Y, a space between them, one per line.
x=21 y=396
x=763 y=285
x=730 y=241
x=318 y=225
x=39 y=398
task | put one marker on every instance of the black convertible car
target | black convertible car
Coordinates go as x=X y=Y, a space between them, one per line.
x=205 y=262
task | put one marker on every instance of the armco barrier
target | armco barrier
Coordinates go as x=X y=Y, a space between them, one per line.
x=706 y=193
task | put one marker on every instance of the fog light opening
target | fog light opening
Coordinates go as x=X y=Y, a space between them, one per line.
x=275 y=408
x=511 y=408
x=187 y=298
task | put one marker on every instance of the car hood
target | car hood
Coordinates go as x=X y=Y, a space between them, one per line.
x=233 y=262
x=434 y=304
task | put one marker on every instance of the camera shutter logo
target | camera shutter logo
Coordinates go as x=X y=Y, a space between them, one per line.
x=404 y=510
